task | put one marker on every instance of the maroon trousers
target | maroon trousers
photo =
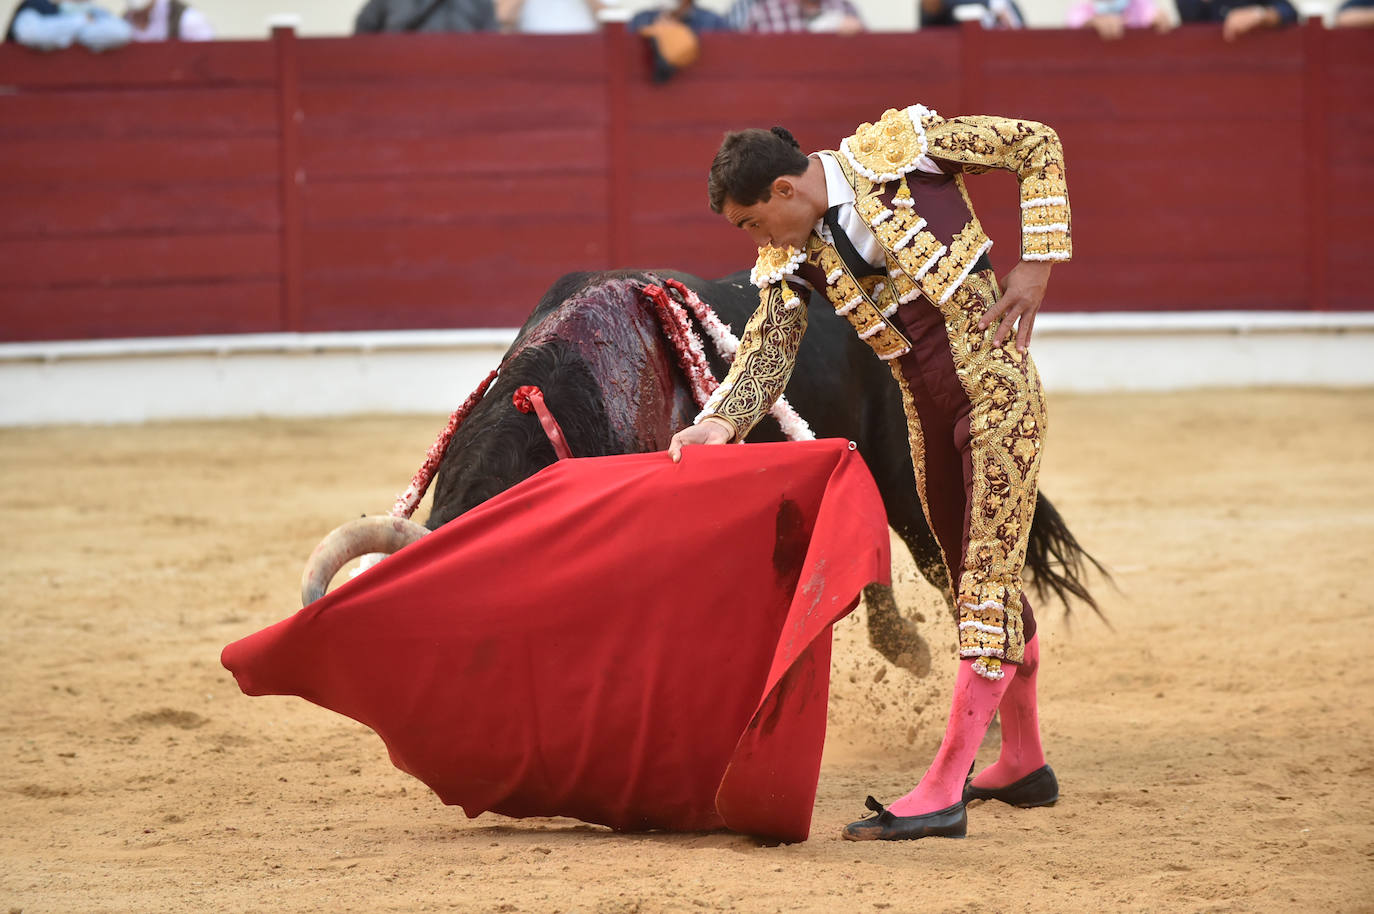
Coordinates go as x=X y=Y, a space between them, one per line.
x=975 y=414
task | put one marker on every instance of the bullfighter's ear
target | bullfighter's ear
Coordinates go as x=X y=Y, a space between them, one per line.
x=784 y=186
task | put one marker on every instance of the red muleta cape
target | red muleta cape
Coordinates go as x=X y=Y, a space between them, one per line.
x=624 y=640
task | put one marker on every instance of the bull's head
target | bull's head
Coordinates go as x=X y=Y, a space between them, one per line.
x=596 y=351
x=497 y=446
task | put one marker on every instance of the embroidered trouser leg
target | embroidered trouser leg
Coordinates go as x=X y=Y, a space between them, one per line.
x=975 y=414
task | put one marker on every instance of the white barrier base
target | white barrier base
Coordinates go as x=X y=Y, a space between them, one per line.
x=432 y=371
x=1091 y=353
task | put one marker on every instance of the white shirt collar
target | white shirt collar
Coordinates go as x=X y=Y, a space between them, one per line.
x=839 y=192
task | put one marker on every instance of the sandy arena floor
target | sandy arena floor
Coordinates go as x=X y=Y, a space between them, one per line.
x=1214 y=746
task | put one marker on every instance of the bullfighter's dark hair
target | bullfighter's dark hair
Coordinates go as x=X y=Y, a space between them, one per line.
x=747 y=164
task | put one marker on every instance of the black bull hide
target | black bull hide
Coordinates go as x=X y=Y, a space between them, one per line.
x=609 y=375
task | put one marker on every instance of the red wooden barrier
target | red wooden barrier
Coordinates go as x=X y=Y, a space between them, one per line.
x=446 y=180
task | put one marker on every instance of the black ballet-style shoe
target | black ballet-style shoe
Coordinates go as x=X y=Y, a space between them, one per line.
x=951 y=822
x=1039 y=788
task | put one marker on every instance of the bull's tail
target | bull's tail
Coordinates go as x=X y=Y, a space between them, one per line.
x=1057 y=563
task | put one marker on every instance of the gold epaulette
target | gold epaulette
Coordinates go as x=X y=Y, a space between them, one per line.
x=774 y=263
x=890 y=148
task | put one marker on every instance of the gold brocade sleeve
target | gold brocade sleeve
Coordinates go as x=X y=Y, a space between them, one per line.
x=763 y=364
x=1030 y=149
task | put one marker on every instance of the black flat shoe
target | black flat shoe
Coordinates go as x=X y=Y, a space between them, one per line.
x=1039 y=788
x=951 y=822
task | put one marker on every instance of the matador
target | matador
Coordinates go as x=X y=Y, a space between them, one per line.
x=884 y=227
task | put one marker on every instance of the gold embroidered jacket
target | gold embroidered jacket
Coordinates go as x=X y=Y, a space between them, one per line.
x=876 y=161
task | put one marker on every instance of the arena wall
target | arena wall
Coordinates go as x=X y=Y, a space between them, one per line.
x=293 y=187
x=443 y=181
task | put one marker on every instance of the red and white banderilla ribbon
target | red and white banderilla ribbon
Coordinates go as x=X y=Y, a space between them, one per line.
x=529 y=398
x=692 y=358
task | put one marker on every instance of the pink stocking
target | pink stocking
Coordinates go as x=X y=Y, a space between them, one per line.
x=1021 y=749
x=975 y=701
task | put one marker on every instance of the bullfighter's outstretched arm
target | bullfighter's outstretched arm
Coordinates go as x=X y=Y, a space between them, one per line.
x=764 y=362
x=1033 y=152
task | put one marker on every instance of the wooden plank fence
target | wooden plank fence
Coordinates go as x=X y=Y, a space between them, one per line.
x=413 y=181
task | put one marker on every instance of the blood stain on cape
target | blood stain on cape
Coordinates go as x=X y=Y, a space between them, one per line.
x=792 y=539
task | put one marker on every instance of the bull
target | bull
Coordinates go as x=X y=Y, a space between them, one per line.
x=595 y=347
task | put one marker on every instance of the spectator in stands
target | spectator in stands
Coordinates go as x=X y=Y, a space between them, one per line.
x=993 y=14
x=168 y=20
x=46 y=26
x=1111 y=18
x=1355 y=14
x=1239 y=17
x=672 y=32
x=549 y=17
x=426 y=16
x=838 y=16
x=684 y=11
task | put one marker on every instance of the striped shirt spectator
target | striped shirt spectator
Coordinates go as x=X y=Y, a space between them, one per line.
x=795 y=16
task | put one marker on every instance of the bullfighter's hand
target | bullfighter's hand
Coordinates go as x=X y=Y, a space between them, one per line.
x=707 y=431
x=1024 y=291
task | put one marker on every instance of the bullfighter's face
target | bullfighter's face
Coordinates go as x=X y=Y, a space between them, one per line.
x=784 y=219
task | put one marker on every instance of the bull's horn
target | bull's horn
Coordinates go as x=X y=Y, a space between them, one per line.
x=382 y=533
